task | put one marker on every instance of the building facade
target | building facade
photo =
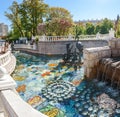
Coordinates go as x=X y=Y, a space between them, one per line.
x=94 y=22
x=3 y=30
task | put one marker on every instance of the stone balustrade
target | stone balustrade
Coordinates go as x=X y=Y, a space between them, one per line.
x=71 y=37
x=92 y=56
x=5 y=58
x=11 y=104
x=57 y=47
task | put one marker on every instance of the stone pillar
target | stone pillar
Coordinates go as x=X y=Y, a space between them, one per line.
x=111 y=33
x=98 y=35
x=69 y=37
x=43 y=38
x=114 y=44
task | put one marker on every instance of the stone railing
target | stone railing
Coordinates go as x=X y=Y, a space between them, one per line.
x=93 y=55
x=5 y=58
x=56 y=47
x=71 y=37
x=11 y=105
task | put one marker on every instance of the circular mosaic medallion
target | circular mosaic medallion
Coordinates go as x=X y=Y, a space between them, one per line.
x=58 y=91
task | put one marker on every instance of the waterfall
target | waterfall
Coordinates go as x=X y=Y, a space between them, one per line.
x=109 y=71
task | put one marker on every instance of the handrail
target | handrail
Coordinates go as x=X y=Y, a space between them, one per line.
x=16 y=107
x=71 y=37
x=5 y=58
x=10 y=102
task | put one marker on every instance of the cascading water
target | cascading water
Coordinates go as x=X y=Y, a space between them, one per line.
x=109 y=71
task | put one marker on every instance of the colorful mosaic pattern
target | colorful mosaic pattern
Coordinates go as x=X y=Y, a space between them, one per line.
x=58 y=90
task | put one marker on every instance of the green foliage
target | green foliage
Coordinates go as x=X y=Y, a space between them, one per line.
x=58 y=26
x=36 y=39
x=105 y=26
x=97 y=28
x=13 y=35
x=102 y=27
x=26 y=16
x=90 y=28
x=58 y=12
x=118 y=30
x=58 y=22
x=78 y=30
x=14 y=17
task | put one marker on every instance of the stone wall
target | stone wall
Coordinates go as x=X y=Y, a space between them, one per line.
x=59 y=47
x=114 y=44
x=92 y=56
x=91 y=59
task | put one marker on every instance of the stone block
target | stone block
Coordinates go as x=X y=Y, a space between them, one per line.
x=93 y=55
x=112 y=43
x=96 y=62
x=118 y=44
x=91 y=73
x=106 y=53
x=86 y=55
x=119 y=51
x=85 y=70
x=115 y=53
x=91 y=63
x=85 y=63
x=87 y=74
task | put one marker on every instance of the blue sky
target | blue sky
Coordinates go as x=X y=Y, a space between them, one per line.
x=80 y=9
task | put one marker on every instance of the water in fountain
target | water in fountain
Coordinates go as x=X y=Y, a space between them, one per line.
x=109 y=71
x=60 y=91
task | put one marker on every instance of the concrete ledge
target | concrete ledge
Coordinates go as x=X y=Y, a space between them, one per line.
x=92 y=57
x=16 y=107
x=6 y=82
x=58 y=47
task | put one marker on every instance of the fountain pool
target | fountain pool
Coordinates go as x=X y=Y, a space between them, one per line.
x=60 y=91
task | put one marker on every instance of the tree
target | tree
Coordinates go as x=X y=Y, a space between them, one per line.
x=118 y=29
x=35 y=11
x=27 y=15
x=106 y=25
x=58 y=22
x=90 y=28
x=58 y=12
x=97 y=28
x=42 y=28
x=78 y=29
x=14 y=17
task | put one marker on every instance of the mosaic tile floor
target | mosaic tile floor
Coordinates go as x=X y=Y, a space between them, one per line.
x=59 y=91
